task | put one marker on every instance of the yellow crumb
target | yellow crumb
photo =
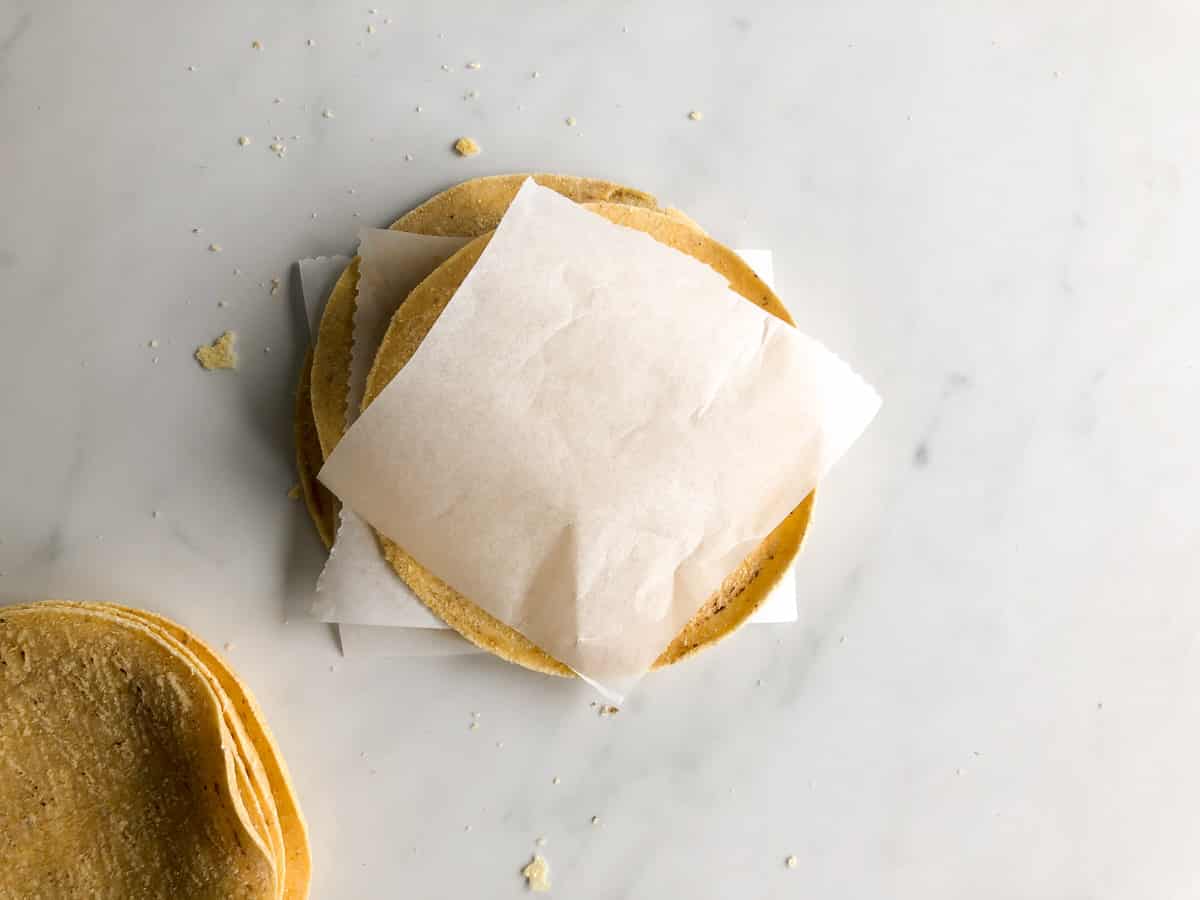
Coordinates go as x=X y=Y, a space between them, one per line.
x=570 y=120
x=294 y=492
x=256 y=45
x=606 y=711
x=214 y=248
x=473 y=65
x=467 y=146
x=220 y=355
x=537 y=874
x=275 y=282
x=695 y=115
x=791 y=862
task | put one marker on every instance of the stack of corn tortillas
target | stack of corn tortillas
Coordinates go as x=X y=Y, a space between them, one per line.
x=473 y=209
x=134 y=763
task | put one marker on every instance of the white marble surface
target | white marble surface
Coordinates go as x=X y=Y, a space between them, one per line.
x=991 y=208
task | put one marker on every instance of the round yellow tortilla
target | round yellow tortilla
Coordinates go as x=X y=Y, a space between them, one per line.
x=118 y=773
x=742 y=591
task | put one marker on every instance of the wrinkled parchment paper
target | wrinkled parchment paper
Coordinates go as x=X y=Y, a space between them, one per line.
x=596 y=431
x=374 y=610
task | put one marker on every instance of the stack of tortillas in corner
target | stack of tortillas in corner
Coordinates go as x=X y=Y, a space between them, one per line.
x=134 y=763
x=472 y=210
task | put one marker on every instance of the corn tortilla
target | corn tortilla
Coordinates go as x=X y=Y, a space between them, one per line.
x=118 y=773
x=470 y=209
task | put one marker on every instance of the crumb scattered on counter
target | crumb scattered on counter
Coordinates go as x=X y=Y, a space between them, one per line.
x=244 y=141
x=191 y=68
x=152 y=344
x=555 y=780
x=408 y=157
x=595 y=820
x=791 y=862
x=474 y=65
x=445 y=68
x=370 y=29
x=536 y=74
x=695 y=115
x=541 y=842
x=471 y=95
x=214 y=248
x=256 y=45
x=275 y=283
x=419 y=108
x=327 y=113
x=606 y=711
x=473 y=726
x=196 y=230
x=570 y=120
x=220 y=355
x=310 y=43
x=294 y=494
x=155 y=514
x=537 y=874
x=278 y=149
x=466 y=146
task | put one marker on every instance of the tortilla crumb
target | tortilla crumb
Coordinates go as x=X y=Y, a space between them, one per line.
x=474 y=65
x=595 y=820
x=791 y=862
x=466 y=146
x=541 y=842
x=570 y=120
x=275 y=282
x=327 y=113
x=695 y=115
x=244 y=141
x=310 y=42
x=294 y=492
x=555 y=780
x=256 y=45
x=537 y=874
x=606 y=711
x=220 y=355
x=214 y=248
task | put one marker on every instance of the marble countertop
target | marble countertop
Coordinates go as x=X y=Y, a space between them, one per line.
x=990 y=209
